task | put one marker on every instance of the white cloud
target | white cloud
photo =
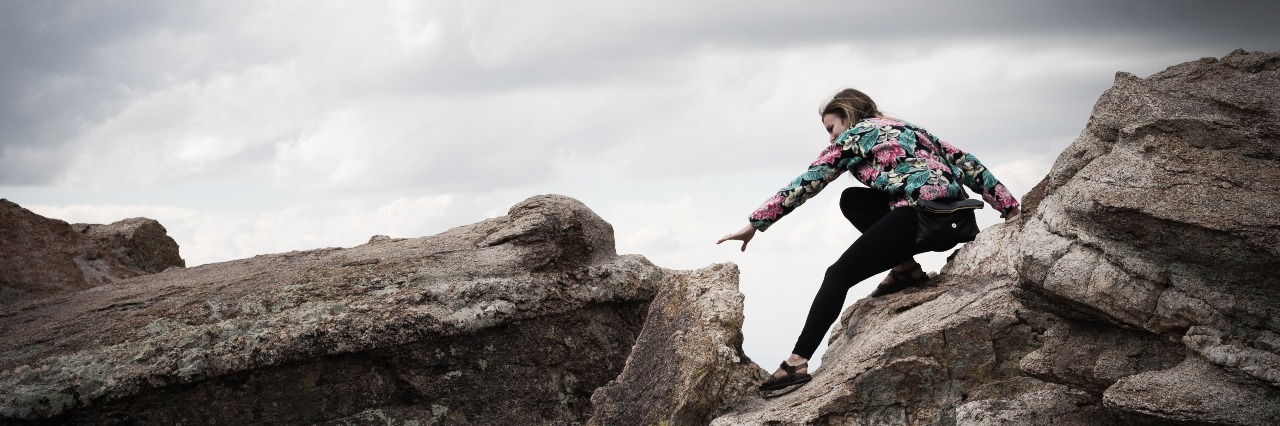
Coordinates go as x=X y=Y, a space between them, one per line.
x=89 y=213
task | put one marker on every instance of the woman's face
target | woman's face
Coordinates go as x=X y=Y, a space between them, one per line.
x=835 y=125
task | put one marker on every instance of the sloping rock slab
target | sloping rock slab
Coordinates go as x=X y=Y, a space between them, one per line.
x=913 y=358
x=513 y=320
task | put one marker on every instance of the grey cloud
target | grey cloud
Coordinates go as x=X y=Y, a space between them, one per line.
x=766 y=25
x=69 y=66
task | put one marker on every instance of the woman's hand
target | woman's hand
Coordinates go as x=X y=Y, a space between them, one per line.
x=1013 y=214
x=743 y=234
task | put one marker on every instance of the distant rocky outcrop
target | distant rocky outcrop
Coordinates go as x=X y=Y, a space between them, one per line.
x=1138 y=287
x=42 y=257
x=513 y=320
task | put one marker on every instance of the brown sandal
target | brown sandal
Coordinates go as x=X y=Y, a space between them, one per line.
x=792 y=378
x=901 y=280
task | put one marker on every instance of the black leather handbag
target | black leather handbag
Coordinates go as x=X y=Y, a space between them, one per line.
x=943 y=224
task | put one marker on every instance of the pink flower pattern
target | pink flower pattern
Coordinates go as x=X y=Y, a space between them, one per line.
x=887 y=152
x=922 y=141
x=933 y=192
x=1001 y=199
x=867 y=173
x=770 y=210
x=828 y=156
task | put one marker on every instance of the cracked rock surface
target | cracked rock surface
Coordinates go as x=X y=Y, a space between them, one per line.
x=1138 y=287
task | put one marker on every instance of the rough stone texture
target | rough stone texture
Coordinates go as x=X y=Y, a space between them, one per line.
x=42 y=257
x=1092 y=357
x=912 y=358
x=1138 y=286
x=1197 y=392
x=1056 y=405
x=138 y=246
x=513 y=320
x=687 y=362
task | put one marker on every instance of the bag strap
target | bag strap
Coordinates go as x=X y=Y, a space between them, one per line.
x=946 y=206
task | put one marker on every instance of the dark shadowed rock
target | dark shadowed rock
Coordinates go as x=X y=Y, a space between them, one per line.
x=138 y=246
x=1138 y=287
x=42 y=257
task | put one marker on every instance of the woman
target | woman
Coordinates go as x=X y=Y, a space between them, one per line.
x=901 y=164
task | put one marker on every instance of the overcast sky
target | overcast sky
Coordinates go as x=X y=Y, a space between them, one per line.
x=250 y=127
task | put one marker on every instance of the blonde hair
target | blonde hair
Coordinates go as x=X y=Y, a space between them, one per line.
x=851 y=105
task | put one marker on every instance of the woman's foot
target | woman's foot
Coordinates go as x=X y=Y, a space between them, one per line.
x=800 y=369
x=900 y=277
x=789 y=375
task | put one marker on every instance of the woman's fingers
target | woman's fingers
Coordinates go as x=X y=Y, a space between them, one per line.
x=744 y=235
x=1013 y=213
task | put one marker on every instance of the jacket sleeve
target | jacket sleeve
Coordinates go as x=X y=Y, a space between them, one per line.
x=976 y=176
x=842 y=155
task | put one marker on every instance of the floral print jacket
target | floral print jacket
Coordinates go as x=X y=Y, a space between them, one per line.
x=895 y=157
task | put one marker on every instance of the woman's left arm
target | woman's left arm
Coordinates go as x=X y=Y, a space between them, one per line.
x=845 y=153
x=976 y=176
x=833 y=161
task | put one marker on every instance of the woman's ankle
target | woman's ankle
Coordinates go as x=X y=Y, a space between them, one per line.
x=907 y=266
x=796 y=360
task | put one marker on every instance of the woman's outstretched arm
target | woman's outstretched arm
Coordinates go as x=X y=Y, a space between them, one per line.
x=845 y=153
x=796 y=193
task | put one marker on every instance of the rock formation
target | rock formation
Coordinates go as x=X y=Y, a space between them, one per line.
x=1138 y=286
x=44 y=257
x=687 y=364
x=514 y=320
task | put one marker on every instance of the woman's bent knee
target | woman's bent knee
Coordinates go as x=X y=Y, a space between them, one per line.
x=857 y=194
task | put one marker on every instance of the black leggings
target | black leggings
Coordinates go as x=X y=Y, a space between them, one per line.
x=888 y=239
